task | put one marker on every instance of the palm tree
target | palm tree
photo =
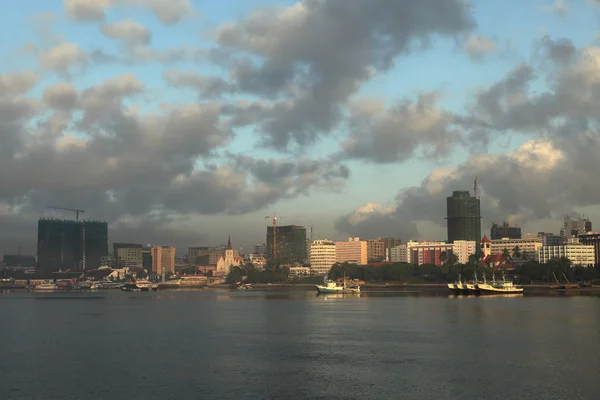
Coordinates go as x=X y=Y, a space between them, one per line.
x=506 y=255
x=516 y=252
x=452 y=259
x=444 y=257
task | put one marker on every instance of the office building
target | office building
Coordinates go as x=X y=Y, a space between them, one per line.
x=573 y=227
x=322 y=256
x=463 y=249
x=463 y=216
x=353 y=251
x=260 y=249
x=577 y=253
x=201 y=256
x=72 y=245
x=291 y=244
x=505 y=231
x=420 y=253
x=127 y=255
x=147 y=259
x=375 y=250
x=163 y=259
x=528 y=246
x=592 y=239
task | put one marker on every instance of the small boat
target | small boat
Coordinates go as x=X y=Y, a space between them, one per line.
x=563 y=286
x=46 y=286
x=246 y=286
x=333 y=287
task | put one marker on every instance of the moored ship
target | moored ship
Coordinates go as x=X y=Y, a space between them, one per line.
x=334 y=287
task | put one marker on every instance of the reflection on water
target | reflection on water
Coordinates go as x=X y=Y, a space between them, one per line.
x=225 y=344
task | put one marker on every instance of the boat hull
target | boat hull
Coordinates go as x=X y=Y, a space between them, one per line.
x=338 y=290
x=489 y=289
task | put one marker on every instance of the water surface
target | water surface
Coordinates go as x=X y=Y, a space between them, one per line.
x=296 y=345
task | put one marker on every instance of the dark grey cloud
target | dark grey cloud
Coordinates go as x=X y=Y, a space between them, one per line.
x=316 y=54
x=87 y=148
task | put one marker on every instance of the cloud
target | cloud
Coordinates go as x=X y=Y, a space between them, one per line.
x=63 y=58
x=387 y=135
x=128 y=31
x=318 y=54
x=478 y=46
x=86 y=10
x=168 y=12
x=559 y=7
x=88 y=149
x=17 y=83
x=537 y=180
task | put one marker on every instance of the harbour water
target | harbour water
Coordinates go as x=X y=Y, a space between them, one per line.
x=296 y=345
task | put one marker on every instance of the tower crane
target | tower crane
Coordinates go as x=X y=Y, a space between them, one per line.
x=77 y=211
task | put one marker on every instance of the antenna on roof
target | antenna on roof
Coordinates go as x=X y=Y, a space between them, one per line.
x=475 y=188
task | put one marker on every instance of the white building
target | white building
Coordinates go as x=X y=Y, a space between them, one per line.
x=399 y=254
x=528 y=246
x=578 y=254
x=462 y=249
x=322 y=256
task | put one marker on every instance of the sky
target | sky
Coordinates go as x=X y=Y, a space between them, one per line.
x=181 y=122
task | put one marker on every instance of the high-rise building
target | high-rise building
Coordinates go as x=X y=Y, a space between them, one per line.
x=96 y=243
x=199 y=255
x=573 y=227
x=291 y=244
x=322 y=256
x=260 y=249
x=128 y=255
x=375 y=250
x=464 y=217
x=147 y=259
x=593 y=239
x=163 y=259
x=352 y=251
x=74 y=245
x=505 y=231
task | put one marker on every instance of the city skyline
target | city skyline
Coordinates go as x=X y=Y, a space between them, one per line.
x=180 y=123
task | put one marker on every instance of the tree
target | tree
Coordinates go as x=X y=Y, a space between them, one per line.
x=516 y=253
x=444 y=257
x=506 y=255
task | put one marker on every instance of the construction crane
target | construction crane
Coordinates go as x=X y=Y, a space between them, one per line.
x=75 y=210
x=275 y=218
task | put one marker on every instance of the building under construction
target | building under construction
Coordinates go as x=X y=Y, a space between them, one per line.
x=71 y=245
x=464 y=217
x=291 y=244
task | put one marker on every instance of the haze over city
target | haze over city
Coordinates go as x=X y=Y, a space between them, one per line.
x=183 y=122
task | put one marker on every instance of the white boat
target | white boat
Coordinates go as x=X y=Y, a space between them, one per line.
x=333 y=287
x=498 y=287
x=46 y=286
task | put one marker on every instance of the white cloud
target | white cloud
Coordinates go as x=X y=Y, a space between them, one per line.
x=478 y=46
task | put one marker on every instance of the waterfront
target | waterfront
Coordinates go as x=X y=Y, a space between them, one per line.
x=219 y=344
